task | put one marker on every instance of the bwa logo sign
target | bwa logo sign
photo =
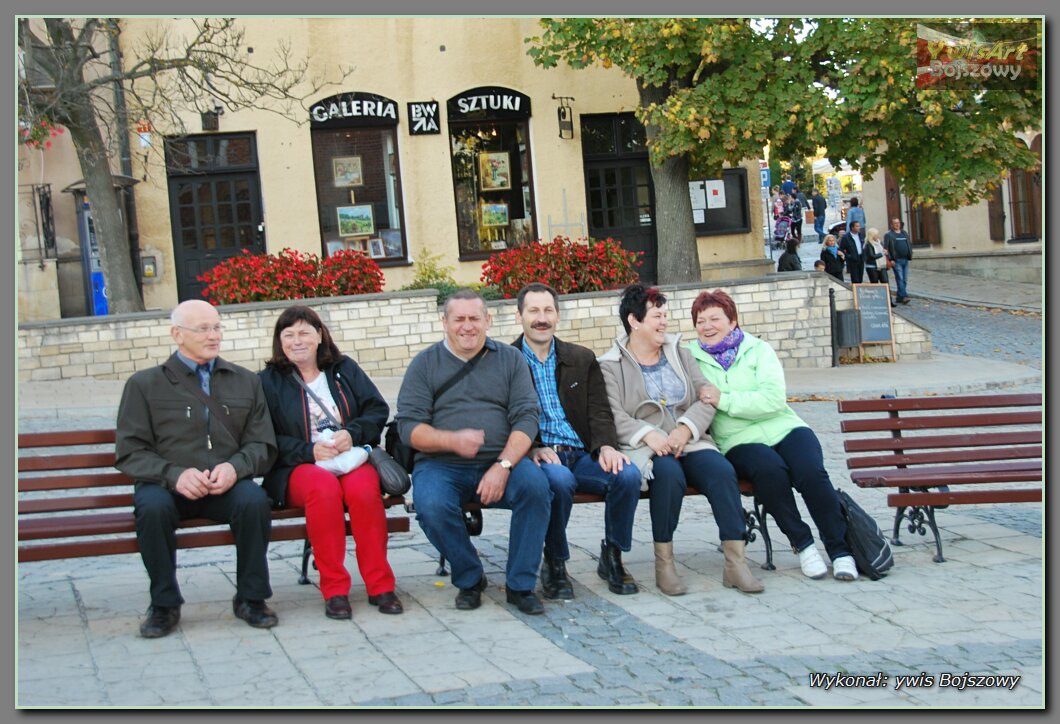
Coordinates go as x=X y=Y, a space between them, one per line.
x=978 y=54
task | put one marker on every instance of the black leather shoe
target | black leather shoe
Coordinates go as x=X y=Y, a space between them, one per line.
x=337 y=607
x=160 y=621
x=471 y=598
x=554 y=581
x=526 y=601
x=255 y=613
x=610 y=569
x=387 y=602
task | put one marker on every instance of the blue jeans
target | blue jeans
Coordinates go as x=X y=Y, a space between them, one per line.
x=794 y=463
x=580 y=473
x=708 y=472
x=440 y=488
x=901 y=276
x=818 y=227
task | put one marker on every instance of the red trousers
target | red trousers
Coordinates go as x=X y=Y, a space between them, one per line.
x=323 y=496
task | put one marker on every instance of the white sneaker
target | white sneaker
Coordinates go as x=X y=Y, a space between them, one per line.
x=844 y=569
x=813 y=566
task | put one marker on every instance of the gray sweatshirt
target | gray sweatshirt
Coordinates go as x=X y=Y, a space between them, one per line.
x=497 y=396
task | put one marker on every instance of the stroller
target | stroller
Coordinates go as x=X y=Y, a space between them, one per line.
x=781 y=231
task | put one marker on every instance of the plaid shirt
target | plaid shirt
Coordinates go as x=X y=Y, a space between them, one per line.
x=553 y=426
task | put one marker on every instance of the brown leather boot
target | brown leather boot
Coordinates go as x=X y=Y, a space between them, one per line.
x=737 y=574
x=665 y=574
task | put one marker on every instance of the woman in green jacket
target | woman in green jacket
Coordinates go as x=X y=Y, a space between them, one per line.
x=763 y=438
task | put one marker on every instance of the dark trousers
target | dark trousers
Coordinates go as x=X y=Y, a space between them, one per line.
x=708 y=472
x=794 y=463
x=245 y=507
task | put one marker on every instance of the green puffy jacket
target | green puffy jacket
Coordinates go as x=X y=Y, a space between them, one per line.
x=753 y=406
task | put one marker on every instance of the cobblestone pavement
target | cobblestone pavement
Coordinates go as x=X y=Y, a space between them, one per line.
x=1011 y=336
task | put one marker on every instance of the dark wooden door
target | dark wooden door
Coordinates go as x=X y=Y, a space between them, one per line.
x=215 y=217
x=1025 y=199
x=620 y=195
x=621 y=205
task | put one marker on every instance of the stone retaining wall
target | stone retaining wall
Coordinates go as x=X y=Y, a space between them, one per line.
x=384 y=331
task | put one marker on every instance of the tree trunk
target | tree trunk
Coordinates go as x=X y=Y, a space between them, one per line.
x=678 y=253
x=123 y=295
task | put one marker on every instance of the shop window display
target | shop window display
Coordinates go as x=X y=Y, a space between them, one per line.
x=359 y=191
x=492 y=184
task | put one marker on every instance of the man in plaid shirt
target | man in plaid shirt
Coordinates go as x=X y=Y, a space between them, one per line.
x=576 y=444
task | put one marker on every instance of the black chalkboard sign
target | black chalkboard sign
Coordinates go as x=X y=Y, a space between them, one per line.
x=873 y=301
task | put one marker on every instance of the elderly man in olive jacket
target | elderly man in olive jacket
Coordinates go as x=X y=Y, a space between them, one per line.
x=187 y=464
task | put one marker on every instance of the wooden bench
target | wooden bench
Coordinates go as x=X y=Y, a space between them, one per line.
x=66 y=511
x=755 y=518
x=977 y=451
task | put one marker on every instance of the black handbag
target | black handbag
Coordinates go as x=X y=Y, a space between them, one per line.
x=405 y=455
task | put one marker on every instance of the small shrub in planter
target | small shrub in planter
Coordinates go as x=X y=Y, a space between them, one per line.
x=567 y=266
x=289 y=275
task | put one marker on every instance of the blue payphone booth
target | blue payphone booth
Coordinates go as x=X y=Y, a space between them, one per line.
x=91 y=265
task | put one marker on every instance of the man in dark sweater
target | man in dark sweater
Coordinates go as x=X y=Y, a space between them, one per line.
x=900 y=250
x=852 y=246
x=820 y=208
x=187 y=465
x=576 y=444
x=472 y=442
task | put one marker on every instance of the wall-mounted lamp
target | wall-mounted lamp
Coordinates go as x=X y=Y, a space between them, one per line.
x=210 y=119
x=565 y=115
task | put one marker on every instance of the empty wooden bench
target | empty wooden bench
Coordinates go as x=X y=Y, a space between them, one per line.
x=924 y=445
x=755 y=518
x=73 y=504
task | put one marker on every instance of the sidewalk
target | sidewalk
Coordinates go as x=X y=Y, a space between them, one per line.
x=980 y=612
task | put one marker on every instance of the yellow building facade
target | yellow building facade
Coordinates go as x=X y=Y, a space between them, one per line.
x=444 y=139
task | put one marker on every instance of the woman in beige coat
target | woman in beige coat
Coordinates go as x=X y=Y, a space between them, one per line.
x=652 y=385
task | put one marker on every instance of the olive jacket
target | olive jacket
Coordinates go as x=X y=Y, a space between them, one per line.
x=163 y=428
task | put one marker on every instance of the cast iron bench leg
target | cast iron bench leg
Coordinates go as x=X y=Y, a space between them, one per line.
x=307 y=549
x=935 y=530
x=760 y=513
x=899 y=516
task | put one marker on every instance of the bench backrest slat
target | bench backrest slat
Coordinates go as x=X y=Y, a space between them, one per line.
x=72 y=482
x=923 y=442
x=82 y=502
x=955 y=402
x=69 y=437
x=930 y=422
x=74 y=461
x=946 y=456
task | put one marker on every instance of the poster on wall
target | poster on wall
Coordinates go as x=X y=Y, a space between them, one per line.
x=715 y=193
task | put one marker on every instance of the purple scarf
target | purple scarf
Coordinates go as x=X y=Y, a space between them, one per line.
x=724 y=352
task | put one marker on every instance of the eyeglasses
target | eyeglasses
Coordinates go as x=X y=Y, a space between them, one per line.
x=203 y=329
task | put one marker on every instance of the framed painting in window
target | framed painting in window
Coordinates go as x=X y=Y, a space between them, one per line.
x=494 y=171
x=346 y=171
x=494 y=214
x=356 y=220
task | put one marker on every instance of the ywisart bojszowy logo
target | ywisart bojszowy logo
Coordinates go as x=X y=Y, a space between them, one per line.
x=985 y=54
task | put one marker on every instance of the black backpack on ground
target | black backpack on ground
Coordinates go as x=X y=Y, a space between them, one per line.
x=871 y=551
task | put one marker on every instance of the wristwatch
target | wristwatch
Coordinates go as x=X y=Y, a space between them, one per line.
x=506 y=464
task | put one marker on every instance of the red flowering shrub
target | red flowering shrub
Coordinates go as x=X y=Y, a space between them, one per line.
x=566 y=266
x=289 y=275
x=349 y=272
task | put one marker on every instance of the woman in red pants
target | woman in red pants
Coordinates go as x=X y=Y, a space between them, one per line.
x=327 y=414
